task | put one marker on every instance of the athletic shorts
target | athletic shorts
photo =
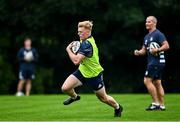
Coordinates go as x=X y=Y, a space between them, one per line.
x=154 y=71
x=26 y=74
x=95 y=83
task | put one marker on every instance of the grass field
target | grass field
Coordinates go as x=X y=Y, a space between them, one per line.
x=50 y=108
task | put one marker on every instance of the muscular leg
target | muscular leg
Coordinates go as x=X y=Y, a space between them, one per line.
x=20 y=86
x=103 y=97
x=101 y=94
x=28 y=87
x=151 y=89
x=70 y=83
x=160 y=91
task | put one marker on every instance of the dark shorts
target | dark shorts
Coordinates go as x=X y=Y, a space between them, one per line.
x=26 y=74
x=95 y=83
x=154 y=71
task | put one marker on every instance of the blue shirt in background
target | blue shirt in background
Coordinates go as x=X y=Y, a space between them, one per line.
x=27 y=65
x=158 y=37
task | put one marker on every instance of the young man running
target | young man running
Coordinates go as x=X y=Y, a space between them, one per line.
x=90 y=71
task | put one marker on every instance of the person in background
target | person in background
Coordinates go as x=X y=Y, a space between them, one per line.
x=155 y=43
x=27 y=57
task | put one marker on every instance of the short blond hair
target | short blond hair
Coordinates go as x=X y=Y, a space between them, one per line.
x=86 y=24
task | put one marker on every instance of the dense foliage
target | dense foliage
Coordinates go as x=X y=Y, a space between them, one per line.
x=118 y=30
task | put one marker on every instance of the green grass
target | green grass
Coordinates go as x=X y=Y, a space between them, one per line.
x=50 y=108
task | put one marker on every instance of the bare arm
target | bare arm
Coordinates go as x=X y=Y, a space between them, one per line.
x=164 y=47
x=140 y=52
x=76 y=59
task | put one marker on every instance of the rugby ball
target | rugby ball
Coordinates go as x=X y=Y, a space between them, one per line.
x=75 y=46
x=153 y=45
x=29 y=56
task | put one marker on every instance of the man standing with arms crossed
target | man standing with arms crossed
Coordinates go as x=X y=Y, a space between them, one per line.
x=89 y=72
x=156 y=63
